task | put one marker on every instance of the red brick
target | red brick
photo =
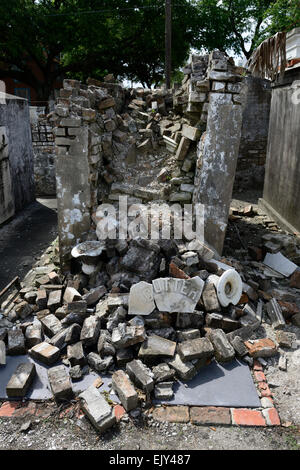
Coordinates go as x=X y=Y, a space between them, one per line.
x=246 y=417
x=25 y=410
x=295 y=279
x=263 y=347
x=119 y=412
x=172 y=414
x=174 y=271
x=272 y=417
x=257 y=365
x=264 y=389
x=210 y=415
x=8 y=408
x=259 y=376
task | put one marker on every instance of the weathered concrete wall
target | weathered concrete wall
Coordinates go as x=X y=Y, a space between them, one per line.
x=254 y=134
x=7 y=202
x=218 y=148
x=14 y=116
x=282 y=180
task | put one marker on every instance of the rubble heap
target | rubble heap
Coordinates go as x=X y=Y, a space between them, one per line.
x=164 y=327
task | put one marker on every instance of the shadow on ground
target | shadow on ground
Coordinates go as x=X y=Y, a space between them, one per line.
x=24 y=239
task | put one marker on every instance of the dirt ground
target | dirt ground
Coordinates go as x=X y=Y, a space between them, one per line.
x=65 y=434
x=71 y=433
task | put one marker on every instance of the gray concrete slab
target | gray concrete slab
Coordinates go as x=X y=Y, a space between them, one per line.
x=217 y=385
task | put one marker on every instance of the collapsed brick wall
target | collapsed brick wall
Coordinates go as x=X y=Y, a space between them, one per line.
x=145 y=144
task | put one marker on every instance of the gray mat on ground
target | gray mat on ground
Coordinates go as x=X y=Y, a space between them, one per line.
x=217 y=385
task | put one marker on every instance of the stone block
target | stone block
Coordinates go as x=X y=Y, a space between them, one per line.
x=122 y=385
x=33 y=335
x=54 y=300
x=182 y=149
x=224 y=352
x=192 y=133
x=23 y=310
x=90 y=330
x=75 y=354
x=164 y=391
x=155 y=347
x=199 y=348
x=97 y=409
x=98 y=364
x=21 y=380
x=71 y=295
x=16 y=343
x=51 y=325
x=60 y=383
x=163 y=373
x=140 y=375
x=124 y=336
x=41 y=299
x=210 y=298
x=45 y=352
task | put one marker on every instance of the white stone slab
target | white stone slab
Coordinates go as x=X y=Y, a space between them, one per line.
x=280 y=263
x=141 y=300
x=177 y=295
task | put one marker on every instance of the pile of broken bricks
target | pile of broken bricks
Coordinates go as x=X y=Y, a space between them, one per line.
x=159 y=331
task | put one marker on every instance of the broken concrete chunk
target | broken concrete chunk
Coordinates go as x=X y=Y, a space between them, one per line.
x=183 y=148
x=140 y=375
x=286 y=339
x=71 y=295
x=33 y=335
x=54 y=300
x=51 y=325
x=41 y=299
x=16 y=343
x=141 y=300
x=122 y=385
x=73 y=334
x=125 y=336
x=98 y=364
x=59 y=340
x=123 y=356
x=75 y=354
x=90 y=330
x=190 y=132
x=94 y=295
x=261 y=348
x=188 y=334
x=156 y=346
x=45 y=352
x=184 y=370
x=239 y=346
x=23 y=310
x=224 y=352
x=190 y=320
x=163 y=373
x=275 y=314
x=177 y=295
x=199 y=348
x=21 y=380
x=164 y=391
x=97 y=409
x=2 y=353
x=60 y=383
x=210 y=298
